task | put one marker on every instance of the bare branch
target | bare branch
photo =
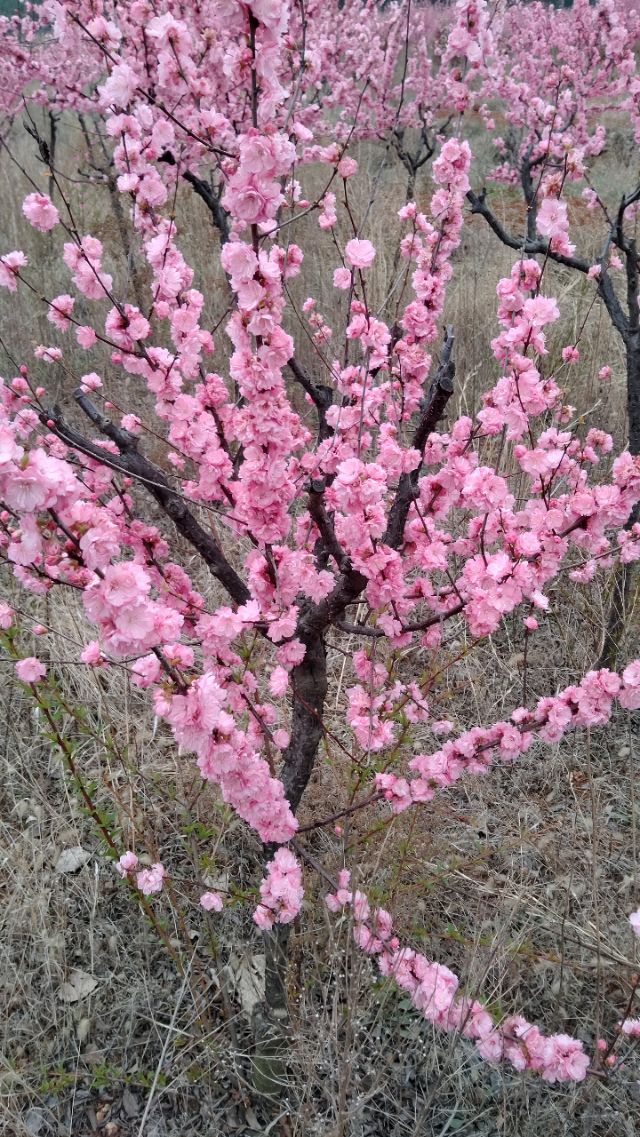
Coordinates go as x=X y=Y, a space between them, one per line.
x=359 y=629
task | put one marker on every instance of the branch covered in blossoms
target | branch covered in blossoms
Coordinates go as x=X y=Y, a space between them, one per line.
x=433 y=989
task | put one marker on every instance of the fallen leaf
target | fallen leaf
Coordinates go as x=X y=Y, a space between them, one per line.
x=34 y=1121
x=70 y=860
x=130 y=1103
x=252 y=1118
x=78 y=986
x=247 y=977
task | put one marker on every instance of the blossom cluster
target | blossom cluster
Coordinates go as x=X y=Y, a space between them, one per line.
x=281 y=891
x=434 y=991
x=588 y=703
x=149 y=881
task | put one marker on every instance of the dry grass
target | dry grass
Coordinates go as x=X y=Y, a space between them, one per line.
x=521 y=880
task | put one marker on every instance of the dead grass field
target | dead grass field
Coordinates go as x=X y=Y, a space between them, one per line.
x=522 y=881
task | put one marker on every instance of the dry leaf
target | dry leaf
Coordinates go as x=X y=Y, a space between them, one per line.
x=130 y=1103
x=78 y=986
x=33 y=1122
x=252 y=1118
x=70 y=860
x=247 y=977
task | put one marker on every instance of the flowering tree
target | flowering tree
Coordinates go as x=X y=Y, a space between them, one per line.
x=547 y=79
x=355 y=516
x=555 y=133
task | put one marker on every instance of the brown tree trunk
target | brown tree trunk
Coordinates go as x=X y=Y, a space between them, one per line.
x=633 y=391
x=271 y=1018
x=623 y=576
x=309 y=683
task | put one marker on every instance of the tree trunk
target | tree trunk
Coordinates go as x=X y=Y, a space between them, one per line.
x=271 y=1018
x=309 y=681
x=623 y=576
x=633 y=391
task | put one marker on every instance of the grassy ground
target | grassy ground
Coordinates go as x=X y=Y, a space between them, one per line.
x=124 y=1023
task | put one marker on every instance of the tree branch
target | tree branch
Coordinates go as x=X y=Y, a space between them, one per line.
x=207 y=194
x=130 y=461
x=318 y=617
x=359 y=629
x=534 y=248
x=440 y=392
x=211 y=199
x=321 y=396
x=310 y=685
x=521 y=244
x=324 y=524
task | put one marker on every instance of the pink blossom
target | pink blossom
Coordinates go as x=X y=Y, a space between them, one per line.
x=132 y=424
x=10 y=265
x=552 y=218
x=127 y=863
x=91 y=381
x=92 y=654
x=347 y=167
x=269 y=12
x=341 y=278
x=328 y=215
x=433 y=989
x=86 y=336
x=30 y=669
x=212 y=901
x=146 y=671
x=570 y=354
x=151 y=880
x=60 y=310
x=49 y=354
x=564 y=1060
x=279 y=681
x=281 y=891
x=120 y=87
x=39 y=209
x=360 y=253
x=629 y=696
